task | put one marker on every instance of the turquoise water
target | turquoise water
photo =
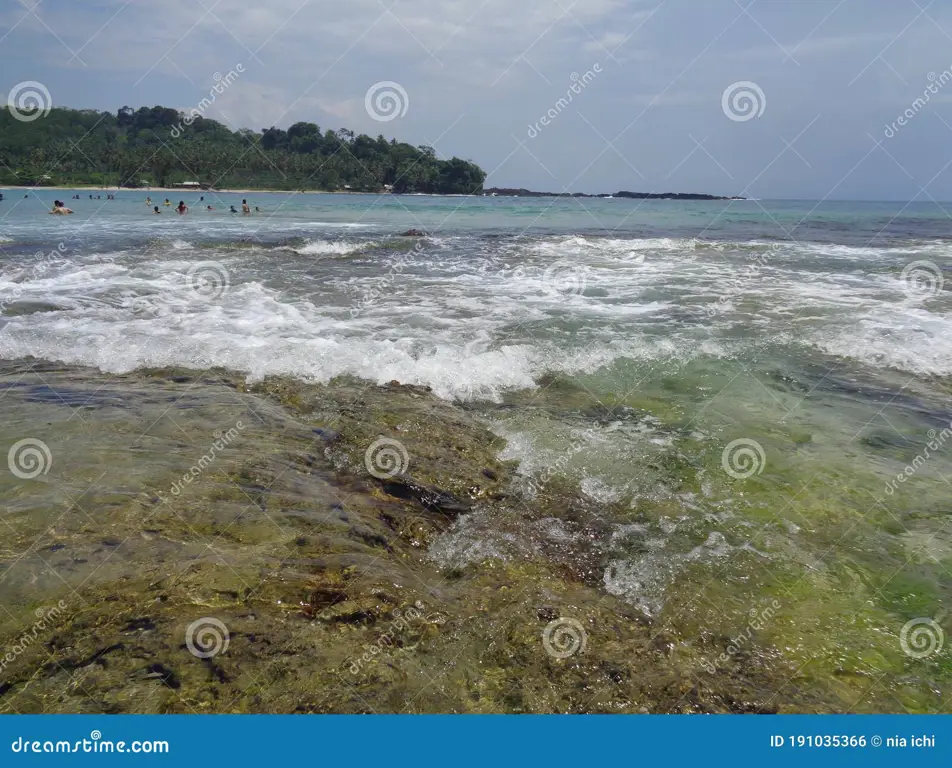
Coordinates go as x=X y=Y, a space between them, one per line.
x=728 y=391
x=829 y=221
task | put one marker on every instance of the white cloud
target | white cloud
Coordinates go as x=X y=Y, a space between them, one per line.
x=488 y=68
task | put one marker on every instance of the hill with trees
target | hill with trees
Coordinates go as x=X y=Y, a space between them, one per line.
x=160 y=146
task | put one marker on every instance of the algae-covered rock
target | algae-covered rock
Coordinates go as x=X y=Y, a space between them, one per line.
x=349 y=547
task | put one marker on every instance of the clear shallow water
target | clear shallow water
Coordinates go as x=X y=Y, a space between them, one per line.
x=620 y=348
x=503 y=292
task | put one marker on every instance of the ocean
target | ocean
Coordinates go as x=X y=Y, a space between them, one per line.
x=558 y=455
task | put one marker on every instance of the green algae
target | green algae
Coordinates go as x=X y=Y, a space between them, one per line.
x=334 y=602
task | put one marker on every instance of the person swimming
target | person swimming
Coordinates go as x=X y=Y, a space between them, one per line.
x=156 y=209
x=166 y=202
x=209 y=208
x=233 y=210
x=148 y=200
x=60 y=209
x=182 y=208
x=257 y=209
x=244 y=207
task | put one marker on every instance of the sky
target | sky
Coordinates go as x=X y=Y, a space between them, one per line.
x=760 y=98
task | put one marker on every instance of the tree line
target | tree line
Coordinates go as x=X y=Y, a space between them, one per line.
x=152 y=146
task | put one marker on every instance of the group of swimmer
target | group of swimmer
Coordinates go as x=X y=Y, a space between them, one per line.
x=182 y=208
x=60 y=209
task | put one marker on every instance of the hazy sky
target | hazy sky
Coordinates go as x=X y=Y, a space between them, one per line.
x=820 y=81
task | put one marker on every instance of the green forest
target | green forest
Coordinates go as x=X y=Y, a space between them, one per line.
x=157 y=146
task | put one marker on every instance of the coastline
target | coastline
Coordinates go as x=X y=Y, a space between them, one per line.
x=148 y=190
x=489 y=192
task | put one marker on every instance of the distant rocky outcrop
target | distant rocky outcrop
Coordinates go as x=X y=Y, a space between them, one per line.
x=504 y=192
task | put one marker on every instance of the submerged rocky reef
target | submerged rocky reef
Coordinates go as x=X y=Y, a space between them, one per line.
x=199 y=543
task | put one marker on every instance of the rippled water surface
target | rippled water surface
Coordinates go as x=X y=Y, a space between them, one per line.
x=704 y=446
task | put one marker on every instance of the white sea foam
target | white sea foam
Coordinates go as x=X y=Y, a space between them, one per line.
x=329 y=248
x=471 y=329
